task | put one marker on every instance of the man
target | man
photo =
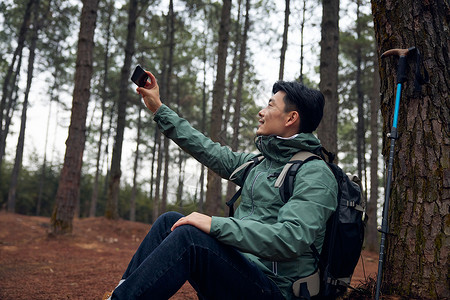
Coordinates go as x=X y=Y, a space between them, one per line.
x=265 y=247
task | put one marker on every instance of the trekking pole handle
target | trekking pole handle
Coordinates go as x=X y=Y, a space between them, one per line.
x=402 y=53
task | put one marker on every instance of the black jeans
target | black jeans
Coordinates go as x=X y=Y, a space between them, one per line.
x=165 y=260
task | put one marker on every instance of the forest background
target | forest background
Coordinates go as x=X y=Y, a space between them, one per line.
x=48 y=114
x=65 y=67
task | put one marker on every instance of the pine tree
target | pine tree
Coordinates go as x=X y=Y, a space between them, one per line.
x=417 y=252
x=69 y=183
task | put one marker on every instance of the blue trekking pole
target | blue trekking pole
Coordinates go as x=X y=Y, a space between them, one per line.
x=401 y=78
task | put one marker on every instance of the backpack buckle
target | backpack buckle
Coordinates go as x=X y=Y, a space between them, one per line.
x=312 y=283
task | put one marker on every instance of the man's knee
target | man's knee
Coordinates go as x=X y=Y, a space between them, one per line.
x=170 y=217
x=192 y=236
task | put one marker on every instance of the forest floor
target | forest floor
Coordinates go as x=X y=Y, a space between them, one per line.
x=87 y=263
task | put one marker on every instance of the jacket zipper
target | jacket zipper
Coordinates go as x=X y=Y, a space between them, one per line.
x=253 y=205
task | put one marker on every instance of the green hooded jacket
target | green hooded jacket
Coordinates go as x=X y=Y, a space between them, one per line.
x=276 y=236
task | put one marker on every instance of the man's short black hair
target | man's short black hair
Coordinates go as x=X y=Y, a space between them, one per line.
x=307 y=102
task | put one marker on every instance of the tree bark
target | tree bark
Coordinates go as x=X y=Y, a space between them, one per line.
x=23 y=121
x=44 y=163
x=372 y=204
x=417 y=252
x=224 y=136
x=201 y=199
x=242 y=68
x=69 y=183
x=360 y=130
x=302 y=29
x=9 y=112
x=112 y=204
x=231 y=187
x=94 y=196
x=329 y=46
x=10 y=79
x=213 y=201
x=284 y=43
x=167 y=98
x=135 y=169
x=157 y=197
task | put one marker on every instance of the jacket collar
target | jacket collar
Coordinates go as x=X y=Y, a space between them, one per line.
x=282 y=149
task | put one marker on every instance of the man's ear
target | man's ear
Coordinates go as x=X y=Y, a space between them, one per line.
x=293 y=119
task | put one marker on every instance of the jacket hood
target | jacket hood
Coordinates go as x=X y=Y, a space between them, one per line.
x=282 y=149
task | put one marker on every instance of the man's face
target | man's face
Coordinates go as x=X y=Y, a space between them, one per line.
x=272 y=118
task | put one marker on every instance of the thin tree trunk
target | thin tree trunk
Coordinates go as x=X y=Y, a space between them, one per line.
x=69 y=183
x=329 y=45
x=360 y=132
x=214 y=185
x=135 y=169
x=302 y=45
x=224 y=138
x=9 y=83
x=94 y=196
x=231 y=187
x=107 y=150
x=168 y=95
x=201 y=200
x=11 y=107
x=156 y=199
x=238 y=102
x=112 y=204
x=284 y=44
x=23 y=121
x=242 y=68
x=372 y=233
x=152 y=177
x=44 y=164
x=180 y=186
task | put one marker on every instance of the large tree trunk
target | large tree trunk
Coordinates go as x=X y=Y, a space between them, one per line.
x=329 y=45
x=214 y=185
x=69 y=182
x=112 y=204
x=417 y=251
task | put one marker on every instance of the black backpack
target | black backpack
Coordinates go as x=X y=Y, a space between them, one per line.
x=344 y=234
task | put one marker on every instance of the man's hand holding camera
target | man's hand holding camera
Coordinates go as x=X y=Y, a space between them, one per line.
x=149 y=92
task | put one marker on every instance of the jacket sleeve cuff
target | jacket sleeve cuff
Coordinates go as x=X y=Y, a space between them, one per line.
x=216 y=224
x=159 y=111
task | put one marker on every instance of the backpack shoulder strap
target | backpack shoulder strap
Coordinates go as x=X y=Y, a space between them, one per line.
x=246 y=167
x=256 y=160
x=299 y=157
x=285 y=181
